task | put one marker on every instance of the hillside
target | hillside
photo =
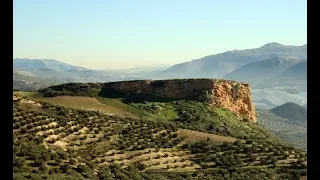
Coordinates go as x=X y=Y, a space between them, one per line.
x=26 y=81
x=173 y=139
x=291 y=111
x=268 y=99
x=298 y=71
x=295 y=76
x=231 y=95
x=256 y=72
x=288 y=121
x=53 y=70
x=32 y=64
x=219 y=65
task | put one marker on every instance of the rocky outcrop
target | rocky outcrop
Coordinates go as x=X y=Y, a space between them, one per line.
x=231 y=95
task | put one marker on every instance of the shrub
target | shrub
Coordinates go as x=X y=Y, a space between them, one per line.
x=23 y=130
x=158 y=156
x=45 y=156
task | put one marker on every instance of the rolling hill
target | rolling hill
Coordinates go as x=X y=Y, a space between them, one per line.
x=257 y=72
x=26 y=81
x=177 y=139
x=31 y=71
x=219 y=65
x=268 y=99
x=298 y=71
x=36 y=64
x=291 y=111
x=288 y=121
x=295 y=76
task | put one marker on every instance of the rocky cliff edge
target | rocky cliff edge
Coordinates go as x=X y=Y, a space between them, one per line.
x=231 y=95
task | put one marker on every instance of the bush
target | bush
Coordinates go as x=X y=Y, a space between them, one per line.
x=23 y=130
x=73 y=161
x=45 y=156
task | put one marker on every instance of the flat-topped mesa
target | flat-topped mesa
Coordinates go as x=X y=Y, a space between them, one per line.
x=231 y=95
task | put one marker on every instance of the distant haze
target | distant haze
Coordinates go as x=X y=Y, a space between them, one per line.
x=102 y=34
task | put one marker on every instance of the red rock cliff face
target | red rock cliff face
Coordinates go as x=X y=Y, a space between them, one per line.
x=234 y=96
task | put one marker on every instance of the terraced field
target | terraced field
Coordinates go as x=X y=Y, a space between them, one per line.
x=53 y=141
x=106 y=105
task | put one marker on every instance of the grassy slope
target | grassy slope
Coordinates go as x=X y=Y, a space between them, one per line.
x=106 y=105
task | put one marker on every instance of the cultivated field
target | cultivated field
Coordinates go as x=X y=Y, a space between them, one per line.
x=57 y=138
x=110 y=106
x=193 y=136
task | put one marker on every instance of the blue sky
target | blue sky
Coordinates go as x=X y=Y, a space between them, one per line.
x=104 y=34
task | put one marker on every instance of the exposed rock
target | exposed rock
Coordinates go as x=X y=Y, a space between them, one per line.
x=231 y=95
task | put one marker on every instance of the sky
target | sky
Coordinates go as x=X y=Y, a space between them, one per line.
x=104 y=34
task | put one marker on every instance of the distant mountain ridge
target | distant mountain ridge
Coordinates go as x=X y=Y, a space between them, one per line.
x=58 y=72
x=33 y=64
x=268 y=66
x=219 y=65
x=268 y=99
x=295 y=76
x=257 y=72
x=26 y=81
x=299 y=69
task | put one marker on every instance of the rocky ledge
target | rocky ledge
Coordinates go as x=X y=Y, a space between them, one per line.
x=231 y=95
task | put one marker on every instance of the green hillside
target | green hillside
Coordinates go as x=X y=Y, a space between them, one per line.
x=294 y=112
x=293 y=131
x=161 y=140
x=28 y=82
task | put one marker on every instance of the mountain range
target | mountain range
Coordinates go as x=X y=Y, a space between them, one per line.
x=295 y=76
x=261 y=71
x=269 y=66
x=219 y=65
x=35 y=71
